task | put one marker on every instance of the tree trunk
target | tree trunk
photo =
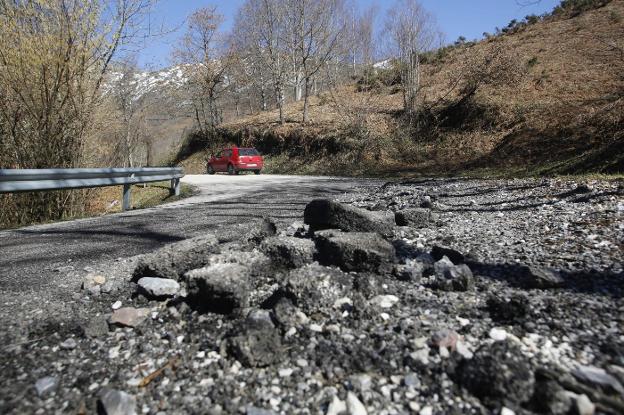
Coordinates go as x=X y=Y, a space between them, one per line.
x=306 y=100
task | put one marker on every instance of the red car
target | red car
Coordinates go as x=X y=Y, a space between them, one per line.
x=234 y=160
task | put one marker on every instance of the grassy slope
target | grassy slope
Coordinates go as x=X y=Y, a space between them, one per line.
x=565 y=114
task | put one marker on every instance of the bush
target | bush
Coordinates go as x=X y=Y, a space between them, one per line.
x=375 y=79
x=571 y=8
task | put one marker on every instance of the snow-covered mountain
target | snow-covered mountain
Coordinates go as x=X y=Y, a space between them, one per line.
x=143 y=83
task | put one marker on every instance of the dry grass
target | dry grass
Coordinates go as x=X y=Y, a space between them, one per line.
x=107 y=200
x=564 y=114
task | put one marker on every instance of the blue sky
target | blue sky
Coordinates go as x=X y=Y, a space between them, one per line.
x=469 y=18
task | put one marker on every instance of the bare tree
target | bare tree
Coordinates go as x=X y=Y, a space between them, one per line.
x=263 y=22
x=359 y=35
x=316 y=26
x=411 y=31
x=130 y=105
x=202 y=56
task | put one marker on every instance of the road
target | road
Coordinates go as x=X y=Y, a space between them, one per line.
x=34 y=258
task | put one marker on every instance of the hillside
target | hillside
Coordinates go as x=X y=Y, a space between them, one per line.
x=543 y=98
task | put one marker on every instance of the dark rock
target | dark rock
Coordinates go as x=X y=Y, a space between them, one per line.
x=256 y=342
x=95 y=327
x=173 y=260
x=157 y=288
x=541 y=278
x=450 y=277
x=425 y=202
x=325 y=214
x=355 y=251
x=439 y=252
x=410 y=271
x=551 y=398
x=508 y=310
x=417 y=217
x=289 y=252
x=114 y=402
x=218 y=288
x=285 y=313
x=261 y=230
x=497 y=373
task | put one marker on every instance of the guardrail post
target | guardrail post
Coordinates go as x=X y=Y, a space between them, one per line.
x=175 y=187
x=126 y=197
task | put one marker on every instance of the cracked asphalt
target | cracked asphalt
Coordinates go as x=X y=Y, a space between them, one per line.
x=36 y=258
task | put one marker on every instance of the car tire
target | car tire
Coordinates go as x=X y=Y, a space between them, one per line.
x=210 y=169
x=231 y=170
x=256 y=171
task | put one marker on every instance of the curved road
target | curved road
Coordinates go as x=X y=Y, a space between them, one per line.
x=35 y=258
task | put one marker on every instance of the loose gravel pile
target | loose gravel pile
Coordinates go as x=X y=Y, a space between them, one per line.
x=426 y=297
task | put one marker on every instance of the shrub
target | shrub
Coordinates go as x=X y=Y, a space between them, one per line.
x=571 y=8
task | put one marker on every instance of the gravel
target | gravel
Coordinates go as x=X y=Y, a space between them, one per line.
x=511 y=300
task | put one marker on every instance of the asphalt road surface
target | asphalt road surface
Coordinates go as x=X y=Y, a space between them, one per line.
x=35 y=259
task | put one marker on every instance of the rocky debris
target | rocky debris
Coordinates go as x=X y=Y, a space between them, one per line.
x=438 y=252
x=260 y=231
x=115 y=402
x=257 y=263
x=596 y=376
x=537 y=277
x=551 y=398
x=354 y=251
x=256 y=342
x=93 y=283
x=289 y=252
x=69 y=344
x=315 y=287
x=508 y=310
x=326 y=214
x=303 y=339
x=498 y=372
x=412 y=270
x=416 y=217
x=173 y=260
x=445 y=338
x=95 y=327
x=158 y=288
x=46 y=385
x=129 y=316
x=451 y=277
x=219 y=288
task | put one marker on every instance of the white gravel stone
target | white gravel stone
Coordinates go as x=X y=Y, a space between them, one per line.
x=158 y=287
x=336 y=407
x=584 y=406
x=385 y=301
x=46 y=385
x=355 y=406
x=497 y=334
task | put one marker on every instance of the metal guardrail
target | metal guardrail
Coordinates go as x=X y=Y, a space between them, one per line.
x=29 y=180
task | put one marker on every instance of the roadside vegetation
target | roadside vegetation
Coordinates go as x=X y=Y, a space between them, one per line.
x=542 y=96
x=102 y=201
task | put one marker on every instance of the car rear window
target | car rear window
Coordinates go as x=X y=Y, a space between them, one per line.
x=248 y=152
